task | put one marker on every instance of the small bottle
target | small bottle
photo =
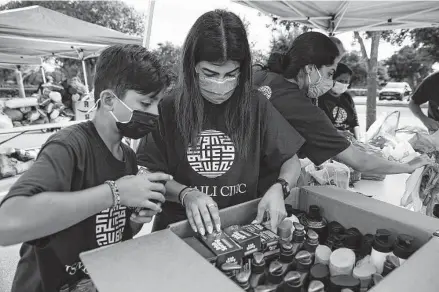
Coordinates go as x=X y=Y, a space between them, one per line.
x=286 y=256
x=320 y=272
x=341 y=262
x=382 y=246
x=364 y=272
x=366 y=246
x=312 y=241
x=293 y=282
x=298 y=237
x=314 y=220
x=316 y=286
x=275 y=273
x=322 y=255
x=391 y=263
x=258 y=270
x=243 y=280
x=338 y=241
x=230 y=269
x=352 y=239
x=284 y=231
x=266 y=288
x=335 y=228
x=403 y=247
x=344 y=281
x=304 y=262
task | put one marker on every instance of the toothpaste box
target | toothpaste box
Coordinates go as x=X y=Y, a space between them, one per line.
x=225 y=249
x=249 y=241
x=201 y=249
x=269 y=239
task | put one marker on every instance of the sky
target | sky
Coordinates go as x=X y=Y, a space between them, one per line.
x=173 y=18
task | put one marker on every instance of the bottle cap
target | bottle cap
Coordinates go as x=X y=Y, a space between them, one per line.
x=312 y=237
x=243 y=277
x=299 y=232
x=303 y=257
x=338 y=241
x=436 y=210
x=382 y=241
x=366 y=245
x=342 y=262
x=344 y=281
x=284 y=229
x=346 y=290
x=391 y=263
x=293 y=279
x=403 y=247
x=322 y=254
x=286 y=252
x=320 y=272
x=335 y=227
x=364 y=273
x=314 y=213
x=275 y=268
x=266 y=288
x=298 y=227
x=316 y=286
x=230 y=269
x=258 y=262
x=352 y=239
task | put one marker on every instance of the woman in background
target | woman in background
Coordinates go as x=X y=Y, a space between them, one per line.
x=338 y=104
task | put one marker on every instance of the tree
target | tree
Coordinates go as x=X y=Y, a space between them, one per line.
x=410 y=64
x=426 y=38
x=169 y=56
x=358 y=66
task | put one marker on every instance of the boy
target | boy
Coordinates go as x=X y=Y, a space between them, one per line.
x=75 y=196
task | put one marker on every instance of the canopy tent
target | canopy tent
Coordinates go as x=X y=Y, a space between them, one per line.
x=344 y=16
x=38 y=31
x=19 y=60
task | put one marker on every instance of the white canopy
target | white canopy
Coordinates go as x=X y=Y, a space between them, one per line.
x=343 y=16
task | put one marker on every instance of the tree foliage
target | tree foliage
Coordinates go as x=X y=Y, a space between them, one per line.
x=169 y=56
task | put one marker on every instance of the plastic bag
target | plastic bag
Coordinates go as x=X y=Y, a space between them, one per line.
x=425 y=143
x=5 y=122
x=399 y=152
x=383 y=131
x=330 y=173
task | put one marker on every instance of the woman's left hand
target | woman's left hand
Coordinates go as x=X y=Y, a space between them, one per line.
x=273 y=203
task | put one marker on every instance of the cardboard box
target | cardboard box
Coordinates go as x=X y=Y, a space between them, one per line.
x=116 y=268
x=81 y=108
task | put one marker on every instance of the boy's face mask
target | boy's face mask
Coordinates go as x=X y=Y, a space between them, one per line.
x=339 y=88
x=217 y=90
x=320 y=87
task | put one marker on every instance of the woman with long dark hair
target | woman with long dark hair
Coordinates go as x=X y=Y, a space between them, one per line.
x=215 y=132
x=306 y=72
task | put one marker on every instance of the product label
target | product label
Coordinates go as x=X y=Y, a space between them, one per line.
x=249 y=241
x=269 y=239
x=225 y=249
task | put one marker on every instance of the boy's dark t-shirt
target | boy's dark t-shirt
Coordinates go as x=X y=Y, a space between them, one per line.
x=340 y=110
x=215 y=167
x=73 y=159
x=322 y=139
x=428 y=90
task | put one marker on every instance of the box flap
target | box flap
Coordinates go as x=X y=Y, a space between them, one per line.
x=157 y=262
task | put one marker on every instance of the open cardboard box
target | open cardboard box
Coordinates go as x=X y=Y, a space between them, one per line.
x=144 y=259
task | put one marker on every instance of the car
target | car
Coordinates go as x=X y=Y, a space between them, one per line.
x=395 y=90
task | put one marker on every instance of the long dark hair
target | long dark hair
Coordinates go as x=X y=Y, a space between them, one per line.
x=309 y=48
x=217 y=36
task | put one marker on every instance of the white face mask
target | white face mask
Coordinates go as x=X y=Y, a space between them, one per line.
x=320 y=87
x=339 y=88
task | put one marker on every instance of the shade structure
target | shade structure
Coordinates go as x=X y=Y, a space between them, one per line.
x=19 y=60
x=38 y=31
x=343 y=16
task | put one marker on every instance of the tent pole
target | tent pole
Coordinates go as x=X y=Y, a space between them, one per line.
x=42 y=71
x=19 y=78
x=84 y=69
x=148 y=23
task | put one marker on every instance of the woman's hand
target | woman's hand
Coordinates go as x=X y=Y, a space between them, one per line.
x=418 y=162
x=202 y=212
x=273 y=203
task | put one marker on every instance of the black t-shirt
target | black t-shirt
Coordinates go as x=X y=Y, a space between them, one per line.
x=322 y=139
x=340 y=110
x=215 y=167
x=428 y=90
x=73 y=159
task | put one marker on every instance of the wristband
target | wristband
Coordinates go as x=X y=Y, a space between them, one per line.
x=181 y=193
x=183 y=196
x=115 y=192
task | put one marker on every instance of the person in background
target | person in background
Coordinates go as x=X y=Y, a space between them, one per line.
x=215 y=132
x=427 y=91
x=76 y=195
x=305 y=73
x=338 y=104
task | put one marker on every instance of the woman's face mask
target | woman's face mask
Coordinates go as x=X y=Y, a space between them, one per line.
x=320 y=87
x=217 y=89
x=339 y=88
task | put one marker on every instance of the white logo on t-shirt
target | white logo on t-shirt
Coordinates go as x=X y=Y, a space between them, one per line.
x=110 y=225
x=340 y=115
x=214 y=154
x=265 y=90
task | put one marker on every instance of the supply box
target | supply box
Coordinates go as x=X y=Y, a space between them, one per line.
x=162 y=261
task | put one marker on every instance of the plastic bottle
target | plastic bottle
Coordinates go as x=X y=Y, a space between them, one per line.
x=314 y=220
x=312 y=241
x=366 y=246
x=275 y=273
x=293 y=282
x=364 y=272
x=403 y=247
x=352 y=239
x=381 y=247
x=322 y=255
x=286 y=256
x=344 y=281
x=391 y=263
x=230 y=269
x=284 y=231
x=303 y=265
x=316 y=286
x=243 y=280
x=342 y=262
x=320 y=272
x=258 y=270
x=298 y=237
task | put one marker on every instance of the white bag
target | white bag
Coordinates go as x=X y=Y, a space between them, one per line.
x=330 y=173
